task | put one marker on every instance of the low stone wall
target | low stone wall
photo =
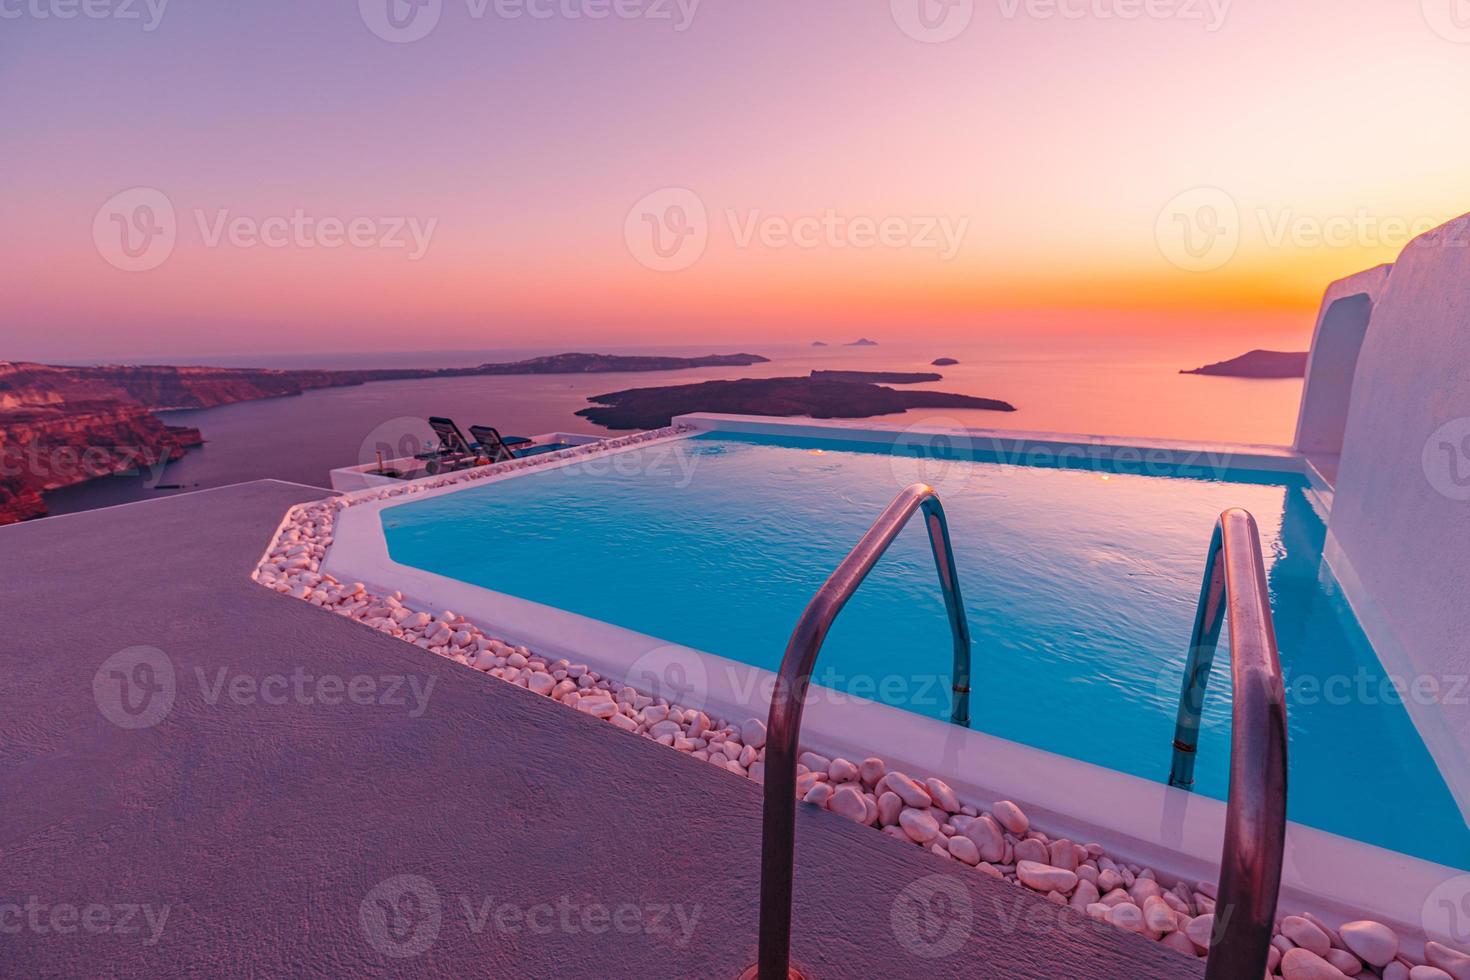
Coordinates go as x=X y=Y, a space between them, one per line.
x=918 y=810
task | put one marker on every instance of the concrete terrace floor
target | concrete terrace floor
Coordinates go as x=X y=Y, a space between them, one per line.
x=274 y=835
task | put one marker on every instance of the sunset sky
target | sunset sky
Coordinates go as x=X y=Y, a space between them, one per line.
x=1064 y=154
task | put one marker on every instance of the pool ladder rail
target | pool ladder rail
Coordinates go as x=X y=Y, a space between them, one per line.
x=1255 y=816
x=1234 y=584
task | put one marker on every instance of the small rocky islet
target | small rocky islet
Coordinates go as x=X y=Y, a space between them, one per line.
x=813 y=396
x=878 y=377
x=1258 y=364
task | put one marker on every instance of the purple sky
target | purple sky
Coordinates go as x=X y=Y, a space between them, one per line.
x=499 y=170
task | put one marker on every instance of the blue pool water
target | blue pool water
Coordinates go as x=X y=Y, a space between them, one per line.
x=1080 y=585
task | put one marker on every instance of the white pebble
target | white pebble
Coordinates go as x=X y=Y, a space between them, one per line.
x=1303 y=964
x=920 y=827
x=1010 y=816
x=1045 y=878
x=1372 y=942
x=909 y=791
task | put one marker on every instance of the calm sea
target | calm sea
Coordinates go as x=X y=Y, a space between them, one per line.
x=1104 y=386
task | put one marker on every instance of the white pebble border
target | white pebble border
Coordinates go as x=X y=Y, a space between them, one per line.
x=923 y=812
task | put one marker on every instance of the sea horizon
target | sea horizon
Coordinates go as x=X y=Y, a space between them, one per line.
x=1105 y=386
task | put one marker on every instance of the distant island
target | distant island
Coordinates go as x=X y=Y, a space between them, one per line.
x=879 y=377
x=65 y=425
x=1258 y=364
x=862 y=342
x=943 y=362
x=648 y=408
x=819 y=343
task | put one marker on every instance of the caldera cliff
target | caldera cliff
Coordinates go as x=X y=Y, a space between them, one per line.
x=61 y=425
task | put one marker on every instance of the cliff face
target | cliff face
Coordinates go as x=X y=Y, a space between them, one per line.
x=161 y=386
x=64 y=425
x=45 y=448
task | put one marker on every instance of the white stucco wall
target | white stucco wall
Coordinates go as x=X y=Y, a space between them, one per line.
x=1341 y=326
x=1400 y=526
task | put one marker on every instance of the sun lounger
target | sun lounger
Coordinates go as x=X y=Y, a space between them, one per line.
x=454 y=451
x=494 y=446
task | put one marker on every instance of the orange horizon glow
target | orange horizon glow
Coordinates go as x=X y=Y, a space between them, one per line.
x=1062 y=147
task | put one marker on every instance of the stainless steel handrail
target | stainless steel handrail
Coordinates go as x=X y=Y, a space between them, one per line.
x=1255 y=817
x=788 y=699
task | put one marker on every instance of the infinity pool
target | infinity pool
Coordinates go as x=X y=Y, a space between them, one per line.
x=1080 y=586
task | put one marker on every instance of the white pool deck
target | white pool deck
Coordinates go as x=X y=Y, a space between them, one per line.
x=368 y=476
x=1175 y=832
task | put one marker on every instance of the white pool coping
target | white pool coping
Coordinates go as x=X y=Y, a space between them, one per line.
x=1179 y=834
x=364 y=476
